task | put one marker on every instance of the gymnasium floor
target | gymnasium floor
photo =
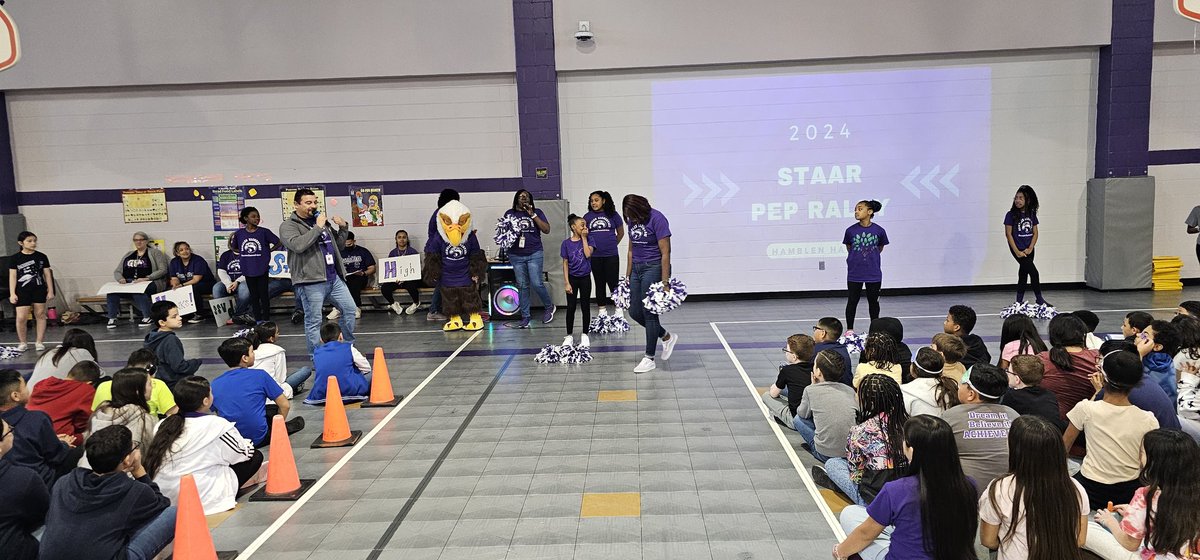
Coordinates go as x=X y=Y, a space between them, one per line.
x=494 y=456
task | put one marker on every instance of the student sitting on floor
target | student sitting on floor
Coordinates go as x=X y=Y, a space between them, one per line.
x=929 y=392
x=827 y=411
x=784 y=396
x=1019 y=336
x=1135 y=322
x=26 y=500
x=161 y=402
x=68 y=402
x=272 y=358
x=952 y=350
x=1157 y=344
x=1146 y=395
x=980 y=423
x=1091 y=321
x=1068 y=364
x=892 y=327
x=202 y=444
x=129 y=407
x=1026 y=396
x=874 y=447
x=826 y=333
x=240 y=394
x=880 y=356
x=36 y=446
x=172 y=366
x=112 y=510
x=1114 y=430
x=960 y=321
x=342 y=360
x=1187 y=368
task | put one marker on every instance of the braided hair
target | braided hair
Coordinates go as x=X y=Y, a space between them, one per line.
x=879 y=395
x=881 y=351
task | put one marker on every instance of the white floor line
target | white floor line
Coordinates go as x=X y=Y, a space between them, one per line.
x=830 y=518
x=356 y=334
x=270 y=531
x=943 y=316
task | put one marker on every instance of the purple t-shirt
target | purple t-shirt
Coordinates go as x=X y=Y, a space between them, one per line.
x=254 y=250
x=899 y=504
x=529 y=240
x=196 y=266
x=862 y=262
x=357 y=258
x=407 y=251
x=1022 y=225
x=644 y=237
x=231 y=264
x=577 y=264
x=456 y=260
x=602 y=233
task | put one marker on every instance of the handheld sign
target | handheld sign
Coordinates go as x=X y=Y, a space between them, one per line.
x=399 y=269
x=279 y=265
x=126 y=288
x=222 y=310
x=184 y=297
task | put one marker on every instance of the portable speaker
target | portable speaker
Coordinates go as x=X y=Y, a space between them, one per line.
x=504 y=302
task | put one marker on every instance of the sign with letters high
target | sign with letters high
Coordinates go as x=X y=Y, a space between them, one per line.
x=399 y=269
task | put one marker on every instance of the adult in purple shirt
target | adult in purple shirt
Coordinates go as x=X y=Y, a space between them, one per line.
x=190 y=269
x=413 y=287
x=1021 y=231
x=254 y=245
x=605 y=232
x=649 y=262
x=864 y=243
x=935 y=491
x=435 y=304
x=526 y=257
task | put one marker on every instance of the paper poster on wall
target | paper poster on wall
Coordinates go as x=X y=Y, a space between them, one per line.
x=367 y=205
x=161 y=245
x=220 y=245
x=399 y=269
x=279 y=265
x=183 y=296
x=144 y=205
x=227 y=204
x=287 y=196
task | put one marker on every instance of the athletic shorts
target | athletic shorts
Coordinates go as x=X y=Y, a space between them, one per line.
x=30 y=296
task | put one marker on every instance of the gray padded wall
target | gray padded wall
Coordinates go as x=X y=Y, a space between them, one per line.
x=556 y=213
x=1120 y=233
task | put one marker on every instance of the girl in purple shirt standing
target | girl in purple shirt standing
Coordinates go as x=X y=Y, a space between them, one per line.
x=864 y=243
x=605 y=232
x=1021 y=231
x=576 y=253
x=649 y=262
x=254 y=245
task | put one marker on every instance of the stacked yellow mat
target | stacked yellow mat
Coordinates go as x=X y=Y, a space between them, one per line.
x=1166 y=274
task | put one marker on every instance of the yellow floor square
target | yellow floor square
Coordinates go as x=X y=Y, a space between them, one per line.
x=835 y=500
x=215 y=520
x=617 y=396
x=621 y=504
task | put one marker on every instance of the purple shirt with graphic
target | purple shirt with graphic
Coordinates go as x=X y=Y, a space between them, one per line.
x=577 y=264
x=644 y=237
x=1022 y=225
x=456 y=260
x=529 y=232
x=357 y=258
x=407 y=251
x=602 y=233
x=231 y=264
x=254 y=250
x=865 y=243
x=196 y=266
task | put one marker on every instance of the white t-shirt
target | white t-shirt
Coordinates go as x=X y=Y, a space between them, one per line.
x=1018 y=547
x=1114 y=439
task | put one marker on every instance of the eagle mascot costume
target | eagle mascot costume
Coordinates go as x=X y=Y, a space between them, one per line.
x=455 y=263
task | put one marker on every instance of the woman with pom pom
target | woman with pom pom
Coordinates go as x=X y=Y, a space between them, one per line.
x=605 y=233
x=649 y=262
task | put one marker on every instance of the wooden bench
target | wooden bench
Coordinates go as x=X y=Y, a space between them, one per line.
x=285 y=301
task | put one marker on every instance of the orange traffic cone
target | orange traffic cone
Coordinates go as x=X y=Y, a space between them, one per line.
x=192 y=539
x=337 y=431
x=283 y=481
x=381 y=384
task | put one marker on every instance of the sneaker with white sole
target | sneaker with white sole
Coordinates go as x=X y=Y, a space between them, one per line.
x=145 y=322
x=357 y=313
x=397 y=308
x=22 y=347
x=435 y=317
x=647 y=364
x=821 y=478
x=669 y=345
x=567 y=341
x=603 y=311
x=412 y=309
x=112 y=323
x=548 y=316
x=39 y=347
x=333 y=314
x=584 y=342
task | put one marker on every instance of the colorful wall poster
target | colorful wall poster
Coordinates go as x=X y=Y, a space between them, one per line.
x=227 y=204
x=288 y=194
x=367 y=205
x=144 y=205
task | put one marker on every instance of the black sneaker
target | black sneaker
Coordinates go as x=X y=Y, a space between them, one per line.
x=297 y=317
x=145 y=322
x=821 y=478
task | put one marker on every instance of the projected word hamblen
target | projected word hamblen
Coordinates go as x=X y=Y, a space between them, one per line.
x=820 y=175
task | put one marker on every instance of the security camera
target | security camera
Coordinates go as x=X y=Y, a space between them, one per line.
x=585 y=32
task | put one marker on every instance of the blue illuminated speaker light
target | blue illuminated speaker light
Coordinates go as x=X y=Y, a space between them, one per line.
x=506 y=301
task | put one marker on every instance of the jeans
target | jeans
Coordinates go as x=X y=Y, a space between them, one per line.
x=312 y=298
x=645 y=274
x=153 y=536
x=298 y=377
x=241 y=299
x=808 y=431
x=528 y=270
x=851 y=518
x=838 y=470
x=141 y=301
x=435 y=304
x=277 y=286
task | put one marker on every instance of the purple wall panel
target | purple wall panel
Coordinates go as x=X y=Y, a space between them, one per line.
x=1123 y=96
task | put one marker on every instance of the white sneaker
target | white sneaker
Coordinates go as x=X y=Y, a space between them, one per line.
x=112 y=323
x=334 y=314
x=603 y=311
x=619 y=313
x=21 y=347
x=39 y=347
x=357 y=313
x=647 y=364
x=567 y=341
x=412 y=309
x=669 y=345
x=397 y=308
x=584 y=342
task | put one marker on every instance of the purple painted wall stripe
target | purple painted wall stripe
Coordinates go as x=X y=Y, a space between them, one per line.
x=1123 y=92
x=1174 y=157
x=8 y=172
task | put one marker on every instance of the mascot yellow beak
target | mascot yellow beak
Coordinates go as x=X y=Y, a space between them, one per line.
x=455 y=230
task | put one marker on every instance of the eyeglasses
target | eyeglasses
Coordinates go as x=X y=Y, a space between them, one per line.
x=818 y=328
x=136 y=239
x=788 y=351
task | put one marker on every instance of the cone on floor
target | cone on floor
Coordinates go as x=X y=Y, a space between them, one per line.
x=337 y=431
x=283 y=481
x=381 y=384
x=192 y=539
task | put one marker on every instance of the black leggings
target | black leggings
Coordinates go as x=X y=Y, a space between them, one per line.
x=855 y=289
x=413 y=287
x=1026 y=270
x=357 y=283
x=246 y=469
x=581 y=292
x=260 y=296
x=606 y=271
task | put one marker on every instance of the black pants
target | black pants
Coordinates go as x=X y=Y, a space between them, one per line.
x=581 y=293
x=413 y=287
x=1027 y=272
x=260 y=296
x=1100 y=494
x=606 y=271
x=356 y=283
x=246 y=469
x=855 y=289
x=293 y=425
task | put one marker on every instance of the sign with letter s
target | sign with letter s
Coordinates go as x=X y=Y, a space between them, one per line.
x=279 y=265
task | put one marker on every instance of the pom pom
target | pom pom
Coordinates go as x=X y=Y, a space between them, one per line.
x=1032 y=310
x=507 y=230
x=854 y=342
x=563 y=355
x=605 y=324
x=620 y=294
x=9 y=353
x=660 y=299
x=244 y=333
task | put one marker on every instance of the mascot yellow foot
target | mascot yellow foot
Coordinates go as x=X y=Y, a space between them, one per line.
x=455 y=323
x=475 y=323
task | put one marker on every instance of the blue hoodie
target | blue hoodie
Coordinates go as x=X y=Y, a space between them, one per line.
x=1160 y=368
